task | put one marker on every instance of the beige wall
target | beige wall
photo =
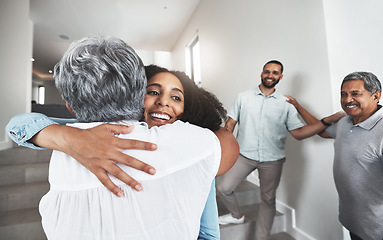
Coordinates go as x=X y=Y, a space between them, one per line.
x=15 y=62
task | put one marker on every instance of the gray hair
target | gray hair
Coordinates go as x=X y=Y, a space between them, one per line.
x=371 y=82
x=102 y=79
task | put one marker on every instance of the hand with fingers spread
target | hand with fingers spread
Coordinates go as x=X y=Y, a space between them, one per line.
x=306 y=115
x=293 y=101
x=98 y=149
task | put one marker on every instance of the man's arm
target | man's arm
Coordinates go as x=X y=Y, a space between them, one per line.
x=306 y=115
x=230 y=124
x=98 y=149
x=314 y=126
x=311 y=120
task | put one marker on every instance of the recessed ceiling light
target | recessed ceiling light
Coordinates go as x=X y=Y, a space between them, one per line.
x=32 y=59
x=64 y=37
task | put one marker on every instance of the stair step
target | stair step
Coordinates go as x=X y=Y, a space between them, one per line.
x=23 y=173
x=281 y=236
x=247 y=194
x=22 y=155
x=23 y=182
x=246 y=230
x=22 y=196
x=21 y=225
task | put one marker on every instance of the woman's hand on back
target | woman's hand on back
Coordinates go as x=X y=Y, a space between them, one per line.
x=98 y=149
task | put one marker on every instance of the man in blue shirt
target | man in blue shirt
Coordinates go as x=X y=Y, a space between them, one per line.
x=264 y=117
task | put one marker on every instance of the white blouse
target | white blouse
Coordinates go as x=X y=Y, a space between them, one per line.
x=169 y=207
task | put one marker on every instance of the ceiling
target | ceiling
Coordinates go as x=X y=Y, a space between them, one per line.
x=143 y=24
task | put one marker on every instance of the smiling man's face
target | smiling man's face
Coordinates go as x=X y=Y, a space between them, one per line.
x=271 y=75
x=357 y=102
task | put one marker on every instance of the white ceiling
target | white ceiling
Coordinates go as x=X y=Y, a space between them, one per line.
x=143 y=24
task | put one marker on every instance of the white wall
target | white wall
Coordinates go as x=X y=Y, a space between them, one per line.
x=52 y=95
x=237 y=38
x=15 y=62
x=160 y=58
x=354 y=36
x=354 y=33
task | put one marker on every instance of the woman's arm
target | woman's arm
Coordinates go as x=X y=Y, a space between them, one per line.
x=229 y=150
x=230 y=124
x=21 y=128
x=98 y=149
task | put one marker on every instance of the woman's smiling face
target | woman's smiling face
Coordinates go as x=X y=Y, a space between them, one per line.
x=164 y=100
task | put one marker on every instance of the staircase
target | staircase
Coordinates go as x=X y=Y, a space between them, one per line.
x=249 y=199
x=23 y=181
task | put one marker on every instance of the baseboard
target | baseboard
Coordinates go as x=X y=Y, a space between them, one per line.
x=291 y=227
x=346 y=234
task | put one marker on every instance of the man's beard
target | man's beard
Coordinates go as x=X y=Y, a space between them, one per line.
x=264 y=83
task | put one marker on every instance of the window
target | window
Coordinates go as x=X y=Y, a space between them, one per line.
x=41 y=95
x=193 y=66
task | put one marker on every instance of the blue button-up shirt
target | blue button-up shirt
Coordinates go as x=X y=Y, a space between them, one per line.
x=23 y=127
x=263 y=123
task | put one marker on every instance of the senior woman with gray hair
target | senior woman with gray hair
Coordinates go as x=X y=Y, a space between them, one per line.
x=92 y=77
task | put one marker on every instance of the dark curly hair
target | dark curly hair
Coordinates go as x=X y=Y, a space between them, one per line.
x=151 y=70
x=201 y=108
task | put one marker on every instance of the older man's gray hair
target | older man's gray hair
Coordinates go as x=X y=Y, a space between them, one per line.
x=371 y=82
x=102 y=79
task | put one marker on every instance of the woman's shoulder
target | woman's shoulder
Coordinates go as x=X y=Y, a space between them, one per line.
x=183 y=131
x=181 y=127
